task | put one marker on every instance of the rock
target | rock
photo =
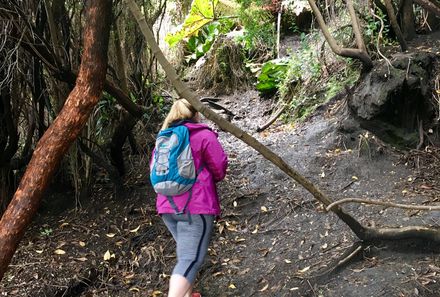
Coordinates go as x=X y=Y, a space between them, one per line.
x=391 y=101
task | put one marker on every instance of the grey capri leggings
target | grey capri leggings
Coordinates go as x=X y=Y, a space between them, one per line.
x=192 y=240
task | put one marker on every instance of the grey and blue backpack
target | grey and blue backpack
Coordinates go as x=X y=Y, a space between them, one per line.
x=172 y=169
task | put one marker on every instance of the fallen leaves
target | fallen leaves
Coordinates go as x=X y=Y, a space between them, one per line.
x=59 y=252
x=134 y=289
x=305 y=269
x=231 y=226
x=264 y=288
x=135 y=229
x=108 y=255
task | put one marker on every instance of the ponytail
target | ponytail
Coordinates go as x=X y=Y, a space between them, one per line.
x=181 y=110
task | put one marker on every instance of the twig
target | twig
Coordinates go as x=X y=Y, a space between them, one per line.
x=347 y=256
x=272 y=119
x=383 y=203
x=350 y=256
x=407 y=68
x=379 y=36
x=425 y=16
x=421 y=134
x=311 y=287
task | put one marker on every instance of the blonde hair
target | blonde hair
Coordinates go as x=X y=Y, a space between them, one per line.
x=181 y=110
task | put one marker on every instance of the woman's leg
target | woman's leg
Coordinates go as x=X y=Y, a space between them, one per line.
x=178 y=286
x=192 y=245
x=171 y=224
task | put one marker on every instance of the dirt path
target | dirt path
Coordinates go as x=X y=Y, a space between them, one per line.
x=273 y=239
x=281 y=236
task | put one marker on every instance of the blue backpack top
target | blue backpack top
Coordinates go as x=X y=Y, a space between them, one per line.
x=172 y=168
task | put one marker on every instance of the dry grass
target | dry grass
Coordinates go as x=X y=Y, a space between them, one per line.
x=224 y=71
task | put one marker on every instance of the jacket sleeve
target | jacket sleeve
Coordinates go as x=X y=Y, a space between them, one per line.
x=214 y=157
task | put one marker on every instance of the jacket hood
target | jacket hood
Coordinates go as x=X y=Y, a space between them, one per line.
x=195 y=127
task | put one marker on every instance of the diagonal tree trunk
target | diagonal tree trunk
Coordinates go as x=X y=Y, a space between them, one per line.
x=364 y=233
x=61 y=134
x=184 y=92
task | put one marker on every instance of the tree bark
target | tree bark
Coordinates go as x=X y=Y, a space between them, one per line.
x=126 y=120
x=122 y=131
x=395 y=25
x=61 y=134
x=359 y=53
x=356 y=27
x=407 y=20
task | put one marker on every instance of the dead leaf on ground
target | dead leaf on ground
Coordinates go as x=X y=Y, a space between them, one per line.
x=59 y=252
x=264 y=288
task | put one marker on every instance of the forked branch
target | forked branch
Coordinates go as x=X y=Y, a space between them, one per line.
x=359 y=53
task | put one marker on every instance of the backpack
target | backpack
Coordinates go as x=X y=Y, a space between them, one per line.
x=172 y=170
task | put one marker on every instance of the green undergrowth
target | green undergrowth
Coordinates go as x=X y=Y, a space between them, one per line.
x=306 y=97
x=306 y=79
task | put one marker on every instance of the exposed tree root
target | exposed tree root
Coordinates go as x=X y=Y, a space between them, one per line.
x=408 y=232
x=351 y=254
x=383 y=203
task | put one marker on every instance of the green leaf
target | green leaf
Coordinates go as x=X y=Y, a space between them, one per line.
x=192 y=43
x=201 y=13
x=271 y=75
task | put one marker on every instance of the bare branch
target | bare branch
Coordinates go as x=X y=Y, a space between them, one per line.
x=358 y=53
x=383 y=203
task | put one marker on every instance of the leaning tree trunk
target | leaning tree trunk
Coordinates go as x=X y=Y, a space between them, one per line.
x=61 y=134
x=395 y=25
x=184 y=92
x=364 y=233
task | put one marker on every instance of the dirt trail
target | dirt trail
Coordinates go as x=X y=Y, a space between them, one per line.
x=273 y=239
x=281 y=236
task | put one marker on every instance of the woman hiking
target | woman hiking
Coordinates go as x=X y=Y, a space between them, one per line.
x=190 y=216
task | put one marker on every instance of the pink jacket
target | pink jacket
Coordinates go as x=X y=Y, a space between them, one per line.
x=206 y=150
